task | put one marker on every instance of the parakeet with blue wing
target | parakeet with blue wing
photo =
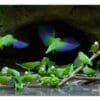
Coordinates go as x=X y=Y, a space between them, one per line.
x=48 y=37
x=9 y=40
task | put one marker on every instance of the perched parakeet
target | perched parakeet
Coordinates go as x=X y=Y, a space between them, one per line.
x=95 y=47
x=82 y=58
x=53 y=43
x=9 y=40
x=88 y=71
x=42 y=70
x=10 y=71
x=30 y=65
x=29 y=77
x=5 y=79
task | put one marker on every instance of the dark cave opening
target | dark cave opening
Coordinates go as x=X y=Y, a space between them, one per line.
x=36 y=50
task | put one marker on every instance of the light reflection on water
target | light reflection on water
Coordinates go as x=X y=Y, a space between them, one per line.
x=65 y=91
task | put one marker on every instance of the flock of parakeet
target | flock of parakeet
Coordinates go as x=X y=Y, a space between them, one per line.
x=47 y=36
x=45 y=71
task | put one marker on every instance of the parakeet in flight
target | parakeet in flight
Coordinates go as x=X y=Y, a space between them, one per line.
x=48 y=37
x=9 y=40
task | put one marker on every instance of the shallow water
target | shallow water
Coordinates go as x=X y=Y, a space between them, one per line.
x=72 y=90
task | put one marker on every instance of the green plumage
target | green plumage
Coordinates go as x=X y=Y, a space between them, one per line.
x=30 y=77
x=82 y=59
x=5 y=79
x=10 y=71
x=30 y=65
x=54 y=44
x=95 y=47
x=88 y=71
x=8 y=40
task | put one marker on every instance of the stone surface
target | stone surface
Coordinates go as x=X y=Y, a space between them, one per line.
x=86 y=18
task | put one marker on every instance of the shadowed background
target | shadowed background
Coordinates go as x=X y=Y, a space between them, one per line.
x=82 y=22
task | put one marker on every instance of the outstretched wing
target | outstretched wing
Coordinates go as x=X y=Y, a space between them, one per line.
x=47 y=35
x=68 y=45
x=19 y=44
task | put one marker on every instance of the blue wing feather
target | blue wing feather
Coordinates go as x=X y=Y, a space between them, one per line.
x=44 y=32
x=19 y=44
x=69 y=44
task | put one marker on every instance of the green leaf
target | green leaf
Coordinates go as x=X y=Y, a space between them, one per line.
x=88 y=71
x=82 y=59
x=95 y=47
x=30 y=65
x=5 y=79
